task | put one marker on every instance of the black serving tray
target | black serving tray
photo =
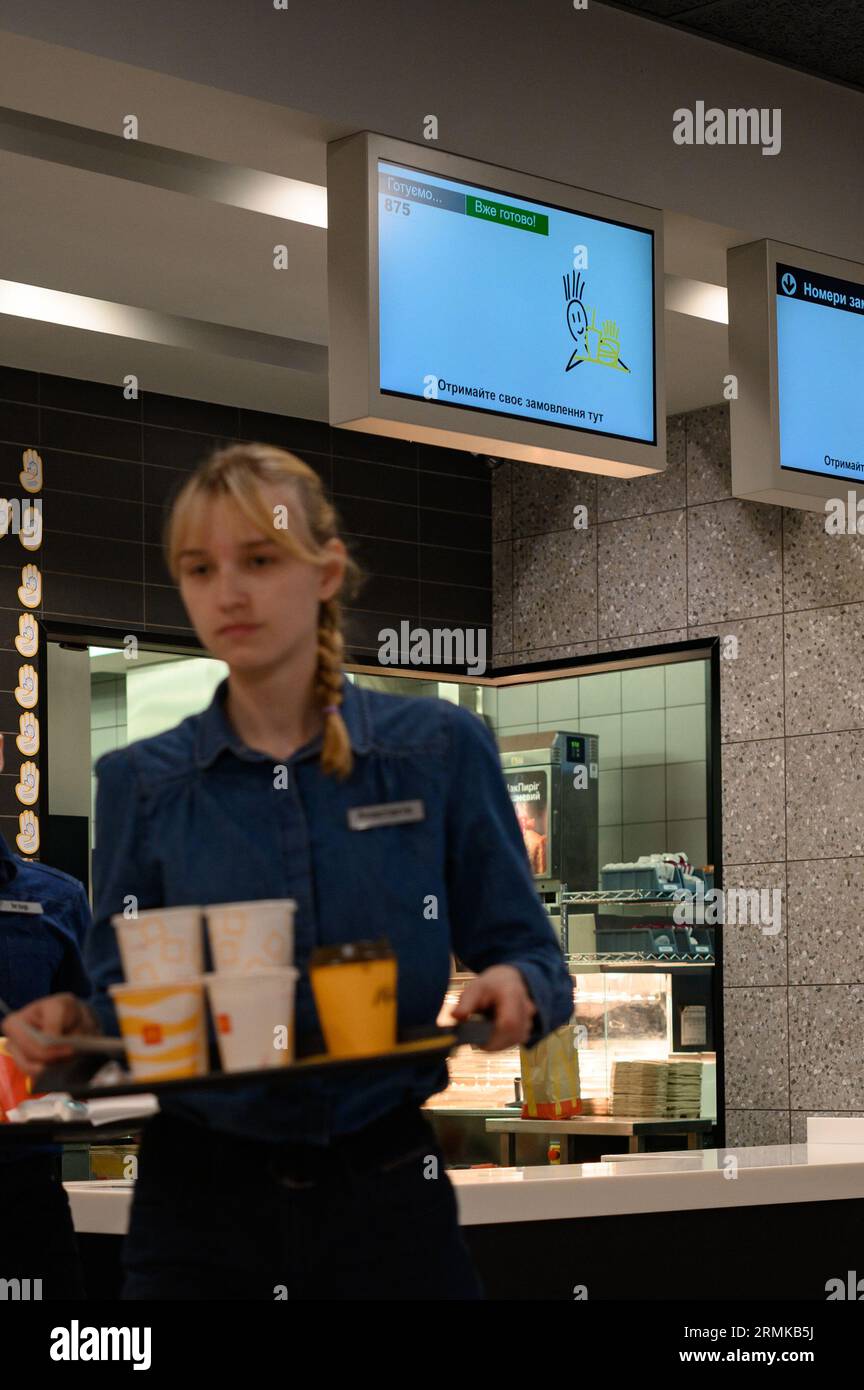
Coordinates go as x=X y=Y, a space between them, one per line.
x=34 y=1132
x=73 y=1076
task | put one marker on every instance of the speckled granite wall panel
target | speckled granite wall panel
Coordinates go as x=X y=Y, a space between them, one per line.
x=826 y=1047
x=751 y=677
x=746 y=1128
x=734 y=566
x=824 y=649
x=825 y=795
x=555 y=589
x=757 y=1048
x=502 y=505
x=709 y=469
x=544 y=498
x=819 y=570
x=643 y=639
x=792 y=727
x=641 y=574
x=574 y=649
x=657 y=492
x=502 y=598
x=755 y=944
x=824 y=914
x=754 y=828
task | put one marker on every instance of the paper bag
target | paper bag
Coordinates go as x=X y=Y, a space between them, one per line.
x=550 y=1077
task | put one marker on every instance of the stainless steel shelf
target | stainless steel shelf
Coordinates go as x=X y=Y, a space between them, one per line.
x=636 y=959
x=628 y=895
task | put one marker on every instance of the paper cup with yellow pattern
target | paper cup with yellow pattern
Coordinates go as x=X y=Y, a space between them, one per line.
x=161 y=946
x=254 y=1017
x=164 y=1029
x=251 y=936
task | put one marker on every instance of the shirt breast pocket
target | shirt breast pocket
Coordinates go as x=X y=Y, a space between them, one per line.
x=395 y=871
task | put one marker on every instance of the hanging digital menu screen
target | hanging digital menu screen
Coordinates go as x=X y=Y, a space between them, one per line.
x=820 y=373
x=512 y=307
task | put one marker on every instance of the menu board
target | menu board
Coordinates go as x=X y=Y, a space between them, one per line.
x=506 y=306
x=820 y=373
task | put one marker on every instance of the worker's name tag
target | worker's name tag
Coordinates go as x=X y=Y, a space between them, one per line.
x=387 y=813
x=7 y=905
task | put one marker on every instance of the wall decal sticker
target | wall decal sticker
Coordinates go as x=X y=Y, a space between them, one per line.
x=30 y=588
x=27 y=639
x=27 y=788
x=27 y=689
x=30 y=476
x=27 y=740
x=27 y=838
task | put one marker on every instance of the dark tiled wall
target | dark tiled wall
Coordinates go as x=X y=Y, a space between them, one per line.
x=418 y=519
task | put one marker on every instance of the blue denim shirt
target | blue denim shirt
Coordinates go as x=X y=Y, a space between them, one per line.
x=40 y=952
x=193 y=816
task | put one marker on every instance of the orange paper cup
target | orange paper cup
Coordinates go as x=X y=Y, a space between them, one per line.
x=15 y=1084
x=163 y=1027
x=355 y=995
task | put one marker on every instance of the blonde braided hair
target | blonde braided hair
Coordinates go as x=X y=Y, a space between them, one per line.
x=336 y=753
x=240 y=473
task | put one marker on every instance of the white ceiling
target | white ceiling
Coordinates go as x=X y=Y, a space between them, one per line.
x=180 y=254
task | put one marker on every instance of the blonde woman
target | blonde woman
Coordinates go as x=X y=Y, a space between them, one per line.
x=325 y=1190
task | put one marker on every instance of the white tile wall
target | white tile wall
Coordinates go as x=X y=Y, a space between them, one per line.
x=643 y=794
x=687 y=790
x=609 y=800
x=559 y=700
x=600 y=694
x=643 y=738
x=691 y=836
x=686 y=683
x=685 y=734
x=643 y=688
x=608 y=730
x=517 y=704
x=646 y=837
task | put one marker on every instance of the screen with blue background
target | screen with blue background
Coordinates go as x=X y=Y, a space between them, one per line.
x=478 y=291
x=820 y=373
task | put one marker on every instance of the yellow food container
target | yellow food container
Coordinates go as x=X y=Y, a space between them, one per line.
x=354 y=985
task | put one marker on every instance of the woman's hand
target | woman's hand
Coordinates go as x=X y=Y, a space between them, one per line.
x=502 y=992
x=56 y=1014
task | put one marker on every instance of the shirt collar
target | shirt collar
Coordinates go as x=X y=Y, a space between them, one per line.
x=215 y=735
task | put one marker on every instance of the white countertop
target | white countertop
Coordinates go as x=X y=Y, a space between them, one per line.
x=101 y=1207
x=685 y=1181
x=681 y=1181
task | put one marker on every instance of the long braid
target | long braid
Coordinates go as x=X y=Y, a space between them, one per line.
x=336 y=755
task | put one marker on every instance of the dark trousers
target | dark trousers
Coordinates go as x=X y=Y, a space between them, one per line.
x=372 y=1216
x=37 y=1238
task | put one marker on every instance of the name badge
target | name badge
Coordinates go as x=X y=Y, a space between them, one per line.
x=387 y=813
x=7 y=905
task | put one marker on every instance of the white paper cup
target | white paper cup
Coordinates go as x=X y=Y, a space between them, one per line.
x=164 y=1029
x=254 y=1017
x=161 y=946
x=251 y=936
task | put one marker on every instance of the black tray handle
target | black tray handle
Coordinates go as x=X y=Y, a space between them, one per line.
x=476 y=1029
